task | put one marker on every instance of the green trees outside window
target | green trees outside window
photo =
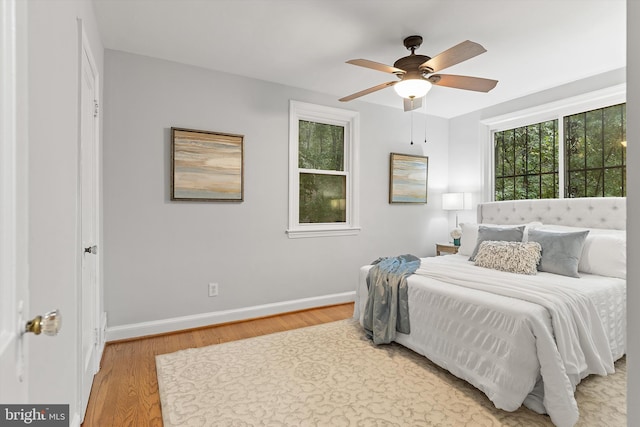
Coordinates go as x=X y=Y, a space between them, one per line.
x=594 y=152
x=323 y=182
x=527 y=163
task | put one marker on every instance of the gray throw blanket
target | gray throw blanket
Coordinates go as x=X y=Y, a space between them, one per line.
x=387 y=308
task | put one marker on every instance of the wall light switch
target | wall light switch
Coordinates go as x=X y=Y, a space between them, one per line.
x=213 y=289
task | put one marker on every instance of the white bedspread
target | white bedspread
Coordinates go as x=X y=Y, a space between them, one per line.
x=519 y=339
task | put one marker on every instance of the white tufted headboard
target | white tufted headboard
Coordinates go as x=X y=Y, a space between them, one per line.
x=588 y=212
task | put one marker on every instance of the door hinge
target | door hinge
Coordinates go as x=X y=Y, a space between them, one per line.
x=96 y=336
x=95 y=110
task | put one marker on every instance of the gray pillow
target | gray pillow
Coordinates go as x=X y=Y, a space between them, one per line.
x=504 y=234
x=560 y=251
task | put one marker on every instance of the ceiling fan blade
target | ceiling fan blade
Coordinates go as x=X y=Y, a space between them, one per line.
x=367 y=91
x=376 y=66
x=412 y=104
x=463 y=82
x=452 y=56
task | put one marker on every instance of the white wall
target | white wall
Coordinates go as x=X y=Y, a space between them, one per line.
x=53 y=178
x=161 y=254
x=633 y=212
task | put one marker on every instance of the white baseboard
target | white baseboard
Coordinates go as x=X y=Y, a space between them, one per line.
x=102 y=338
x=205 y=319
x=75 y=422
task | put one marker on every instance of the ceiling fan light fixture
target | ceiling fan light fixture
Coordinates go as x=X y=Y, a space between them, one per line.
x=412 y=88
x=416 y=72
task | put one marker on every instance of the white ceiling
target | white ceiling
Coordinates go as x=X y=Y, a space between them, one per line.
x=531 y=45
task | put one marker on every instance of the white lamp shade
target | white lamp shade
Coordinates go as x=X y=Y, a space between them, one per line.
x=452 y=201
x=412 y=88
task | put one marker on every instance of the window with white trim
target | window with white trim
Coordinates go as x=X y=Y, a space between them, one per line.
x=571 y=148
x=323 y=171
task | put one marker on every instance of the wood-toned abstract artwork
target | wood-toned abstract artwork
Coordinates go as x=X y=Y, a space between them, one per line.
x=206 y=166
x=408 y=176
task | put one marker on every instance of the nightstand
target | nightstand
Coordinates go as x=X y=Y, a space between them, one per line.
x=446 y=248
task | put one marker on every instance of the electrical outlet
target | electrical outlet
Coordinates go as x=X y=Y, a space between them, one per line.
x=213 y=289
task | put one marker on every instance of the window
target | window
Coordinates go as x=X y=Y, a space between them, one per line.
x=575 y=151
x=323 y=178
x=595 y=154
x=526 y=162
x=323 y=181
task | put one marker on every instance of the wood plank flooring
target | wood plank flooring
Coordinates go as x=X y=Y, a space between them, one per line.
x=125 y=390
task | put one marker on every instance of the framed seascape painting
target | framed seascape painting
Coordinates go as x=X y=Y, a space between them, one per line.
x=206 y=166
x=408 y=176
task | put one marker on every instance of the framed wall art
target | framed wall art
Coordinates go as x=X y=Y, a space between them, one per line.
x=408 y=176
x=206 y=166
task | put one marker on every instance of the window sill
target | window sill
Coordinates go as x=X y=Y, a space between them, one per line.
x=323 y=232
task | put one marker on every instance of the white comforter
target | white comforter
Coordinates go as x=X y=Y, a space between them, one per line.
x=519 y=339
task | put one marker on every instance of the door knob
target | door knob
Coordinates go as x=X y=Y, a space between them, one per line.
x=91 y=250
x=50 y=324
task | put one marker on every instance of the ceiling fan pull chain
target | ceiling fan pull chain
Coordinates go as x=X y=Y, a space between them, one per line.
x=425 y=122
x=412 y=124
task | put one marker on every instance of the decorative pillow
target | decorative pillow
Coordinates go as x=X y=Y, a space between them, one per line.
x=604 y=252
x=497 y=233
x=515 y=257
x=561 y=251
x=469 y=238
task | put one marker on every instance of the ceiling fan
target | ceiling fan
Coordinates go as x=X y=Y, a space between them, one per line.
x=416 y=72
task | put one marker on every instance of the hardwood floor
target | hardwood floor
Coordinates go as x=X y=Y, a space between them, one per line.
x=125 y=391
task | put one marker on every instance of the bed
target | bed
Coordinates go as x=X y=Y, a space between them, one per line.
x=524 y=338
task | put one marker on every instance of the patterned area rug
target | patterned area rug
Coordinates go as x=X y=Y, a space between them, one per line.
x=332 y=375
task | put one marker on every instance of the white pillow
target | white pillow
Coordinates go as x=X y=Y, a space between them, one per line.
x=605 y=255
x=469 y=238
x=604 y=252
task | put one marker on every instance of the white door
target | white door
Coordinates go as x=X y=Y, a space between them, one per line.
x=89 y=287
x=14 y=213
x=13 y=208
